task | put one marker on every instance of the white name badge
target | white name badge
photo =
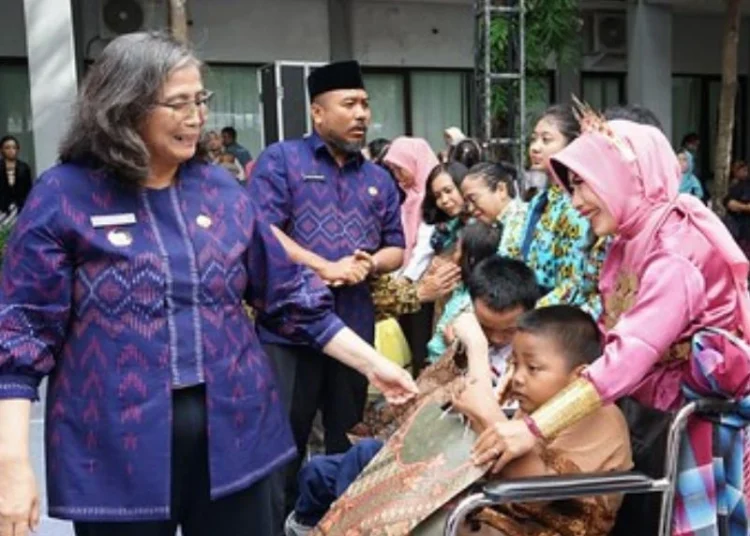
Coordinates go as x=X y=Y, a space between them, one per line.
x=313 y=178
x=109 y=220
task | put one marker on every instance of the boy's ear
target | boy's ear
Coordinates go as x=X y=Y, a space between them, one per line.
x=576 y=372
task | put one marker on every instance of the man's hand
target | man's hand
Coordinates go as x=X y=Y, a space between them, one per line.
x=346 y=271
x=368 y=260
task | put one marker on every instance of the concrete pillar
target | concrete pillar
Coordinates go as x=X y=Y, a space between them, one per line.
x=340 y=30
x=52 y=74
x=650 y=59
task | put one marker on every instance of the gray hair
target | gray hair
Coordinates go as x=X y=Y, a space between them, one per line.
x=119 y=91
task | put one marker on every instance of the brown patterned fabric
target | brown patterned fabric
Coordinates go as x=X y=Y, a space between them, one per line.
x=623 y=299
x=425 y=464
x=597 y=443
x=393 y=296
x=381 y=420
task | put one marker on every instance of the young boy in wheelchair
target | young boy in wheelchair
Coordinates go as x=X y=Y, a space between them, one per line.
x=551 y=347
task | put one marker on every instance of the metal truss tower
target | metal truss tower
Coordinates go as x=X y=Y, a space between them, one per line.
x=488 y=76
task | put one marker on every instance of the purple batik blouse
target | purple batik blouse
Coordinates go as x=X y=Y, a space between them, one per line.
x=120 y=295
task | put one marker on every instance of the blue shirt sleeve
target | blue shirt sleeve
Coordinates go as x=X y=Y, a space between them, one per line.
x=269 y=187
x=35 y=293
x=393 y=231
x=290 y=299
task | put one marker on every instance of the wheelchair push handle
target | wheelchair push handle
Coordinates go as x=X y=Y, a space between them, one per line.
x=716 y=406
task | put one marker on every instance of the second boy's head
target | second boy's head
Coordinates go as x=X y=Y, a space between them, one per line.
x=501 y=290
x=551 y=347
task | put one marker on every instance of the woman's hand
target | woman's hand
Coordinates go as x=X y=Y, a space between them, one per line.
x=19 y=498
x=395 y=383
x=476 y=401
x=438 y=283
x=501 y=443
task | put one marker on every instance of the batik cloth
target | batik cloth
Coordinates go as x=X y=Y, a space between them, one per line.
x=598 y=443
x=426 y=463
x=556 y=244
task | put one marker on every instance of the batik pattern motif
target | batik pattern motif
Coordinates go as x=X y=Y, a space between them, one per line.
x=329 y=210
x=424 y=465
x=560 y=252
x=92 y=313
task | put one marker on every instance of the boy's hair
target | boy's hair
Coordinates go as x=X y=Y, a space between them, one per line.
x=572 y=330
x=503 y=283
x=479 y=241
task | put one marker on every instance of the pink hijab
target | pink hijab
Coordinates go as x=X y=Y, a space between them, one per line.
x=416 y=156
x=636 y=175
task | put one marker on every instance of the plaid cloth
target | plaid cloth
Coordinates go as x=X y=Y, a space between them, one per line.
x=710 y=498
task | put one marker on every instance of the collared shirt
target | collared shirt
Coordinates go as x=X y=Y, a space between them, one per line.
x=329 y=210
x=240 y=153
x=120 y=310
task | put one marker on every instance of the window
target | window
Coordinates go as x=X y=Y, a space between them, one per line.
x=15 y=107
x=603 y=90
x=686 y=106
x=418 y=102
x=386 y=92
x=439 y=100
x=695 y=108
x=236 y=103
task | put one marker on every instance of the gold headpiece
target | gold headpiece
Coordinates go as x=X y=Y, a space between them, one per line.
x=592 y=121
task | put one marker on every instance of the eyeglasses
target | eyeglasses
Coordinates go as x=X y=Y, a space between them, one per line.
x=186 y=108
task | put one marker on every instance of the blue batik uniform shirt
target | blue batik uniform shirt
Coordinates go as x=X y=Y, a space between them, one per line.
x=331 y=211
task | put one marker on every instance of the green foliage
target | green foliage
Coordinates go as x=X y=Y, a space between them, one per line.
x=552 y=32
x=5 y=230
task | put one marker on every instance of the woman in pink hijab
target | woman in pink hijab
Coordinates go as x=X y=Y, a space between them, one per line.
x=672 y=270
x=411 y=160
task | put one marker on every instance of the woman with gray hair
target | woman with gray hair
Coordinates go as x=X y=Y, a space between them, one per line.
x=124 y=283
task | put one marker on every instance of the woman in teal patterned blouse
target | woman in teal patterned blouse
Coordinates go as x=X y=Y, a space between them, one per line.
x=556 y=242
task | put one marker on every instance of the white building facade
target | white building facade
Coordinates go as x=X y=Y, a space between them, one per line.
x=417 y=57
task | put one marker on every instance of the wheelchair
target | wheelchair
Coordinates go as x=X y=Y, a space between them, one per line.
x=638 y=487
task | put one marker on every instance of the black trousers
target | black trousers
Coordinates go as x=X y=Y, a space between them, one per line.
x=320 y=382
x=245 y=513
x=418 y=330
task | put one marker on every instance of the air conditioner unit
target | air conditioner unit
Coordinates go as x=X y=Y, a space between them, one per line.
x=610 y=33
x=117 y=17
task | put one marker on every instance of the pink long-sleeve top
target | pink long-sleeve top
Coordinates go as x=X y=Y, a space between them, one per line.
x=653 y=303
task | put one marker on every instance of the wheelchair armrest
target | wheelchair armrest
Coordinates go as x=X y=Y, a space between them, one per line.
x=549 y=488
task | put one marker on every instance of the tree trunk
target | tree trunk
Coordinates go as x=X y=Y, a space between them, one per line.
x=178 y=22
x=727 y=104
